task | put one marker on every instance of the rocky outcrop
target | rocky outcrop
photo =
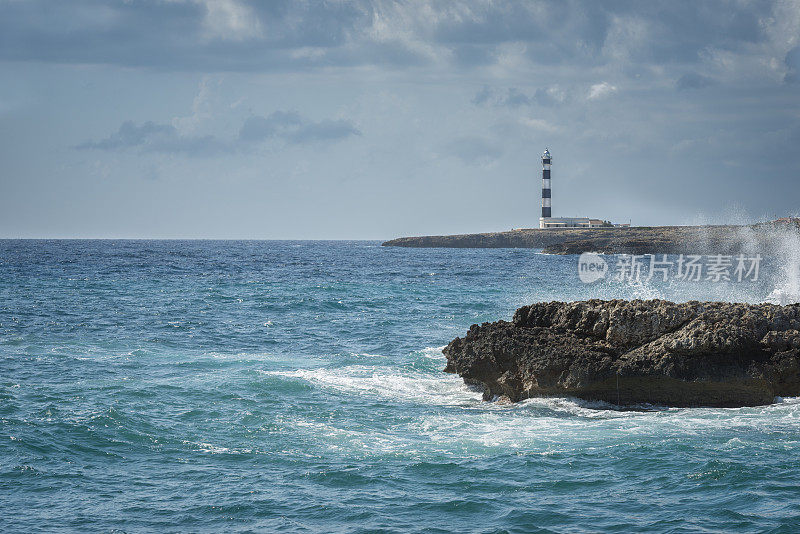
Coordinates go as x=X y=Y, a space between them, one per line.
x=727 y=239
x=635 y=352
x=522 y=238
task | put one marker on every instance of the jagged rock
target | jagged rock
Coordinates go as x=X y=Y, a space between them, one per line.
x=636 y=352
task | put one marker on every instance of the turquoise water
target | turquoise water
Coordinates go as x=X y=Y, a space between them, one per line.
x=297 y=386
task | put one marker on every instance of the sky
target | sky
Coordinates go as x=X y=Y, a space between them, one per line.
x=373 y=119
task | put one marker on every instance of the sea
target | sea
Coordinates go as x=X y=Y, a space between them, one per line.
x=297 y=386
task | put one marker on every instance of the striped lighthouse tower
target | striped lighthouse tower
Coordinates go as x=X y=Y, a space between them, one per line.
x=546 y=162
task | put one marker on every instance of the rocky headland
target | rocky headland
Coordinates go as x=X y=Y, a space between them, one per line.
x=636 y=352
x=720 y=239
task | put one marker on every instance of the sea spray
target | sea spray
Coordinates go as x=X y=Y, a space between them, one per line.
x=779 y=241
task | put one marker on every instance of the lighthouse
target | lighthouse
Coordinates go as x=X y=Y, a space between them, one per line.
x=547 y=220
x=546 y=162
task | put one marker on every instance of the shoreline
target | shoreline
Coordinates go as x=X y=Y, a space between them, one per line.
x=705 y=239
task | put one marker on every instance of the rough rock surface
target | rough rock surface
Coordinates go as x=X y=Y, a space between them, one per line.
x=636 y=352
x=727 y=239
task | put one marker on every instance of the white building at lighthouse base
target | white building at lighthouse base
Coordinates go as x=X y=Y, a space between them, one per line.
x=575 y=222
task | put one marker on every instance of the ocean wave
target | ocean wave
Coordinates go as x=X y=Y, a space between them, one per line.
x=434 y=353
x=385 y=382
x=215 y=449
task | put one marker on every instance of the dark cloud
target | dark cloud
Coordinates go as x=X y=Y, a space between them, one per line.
x=515 y=98
x=186 y=35
x=258 y=128
x=294 y=128
x=327 y=130
x=130 y=135
x=680 y=32
x=288 y=126
x=303 y=34
x=154 y=137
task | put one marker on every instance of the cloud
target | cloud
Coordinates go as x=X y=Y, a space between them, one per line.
x=600 y=90
x=294 y=128
x=258 y=128
x=515 y=98
x=288 y=126
x=130 y=135
x=511 y=97
x=244 y=35
x=550 y=96
x=483 y=96
x=230 y=20
x=326 y=130
x=155 y=137
x=202 y=107
x=723 y=74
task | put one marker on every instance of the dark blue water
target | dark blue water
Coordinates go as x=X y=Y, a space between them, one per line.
x=297 y=386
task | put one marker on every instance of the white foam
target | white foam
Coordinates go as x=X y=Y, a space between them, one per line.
x=452 y=420
x=434 y=353
x=449 y=418
x=365 y=380
x=215 y=449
